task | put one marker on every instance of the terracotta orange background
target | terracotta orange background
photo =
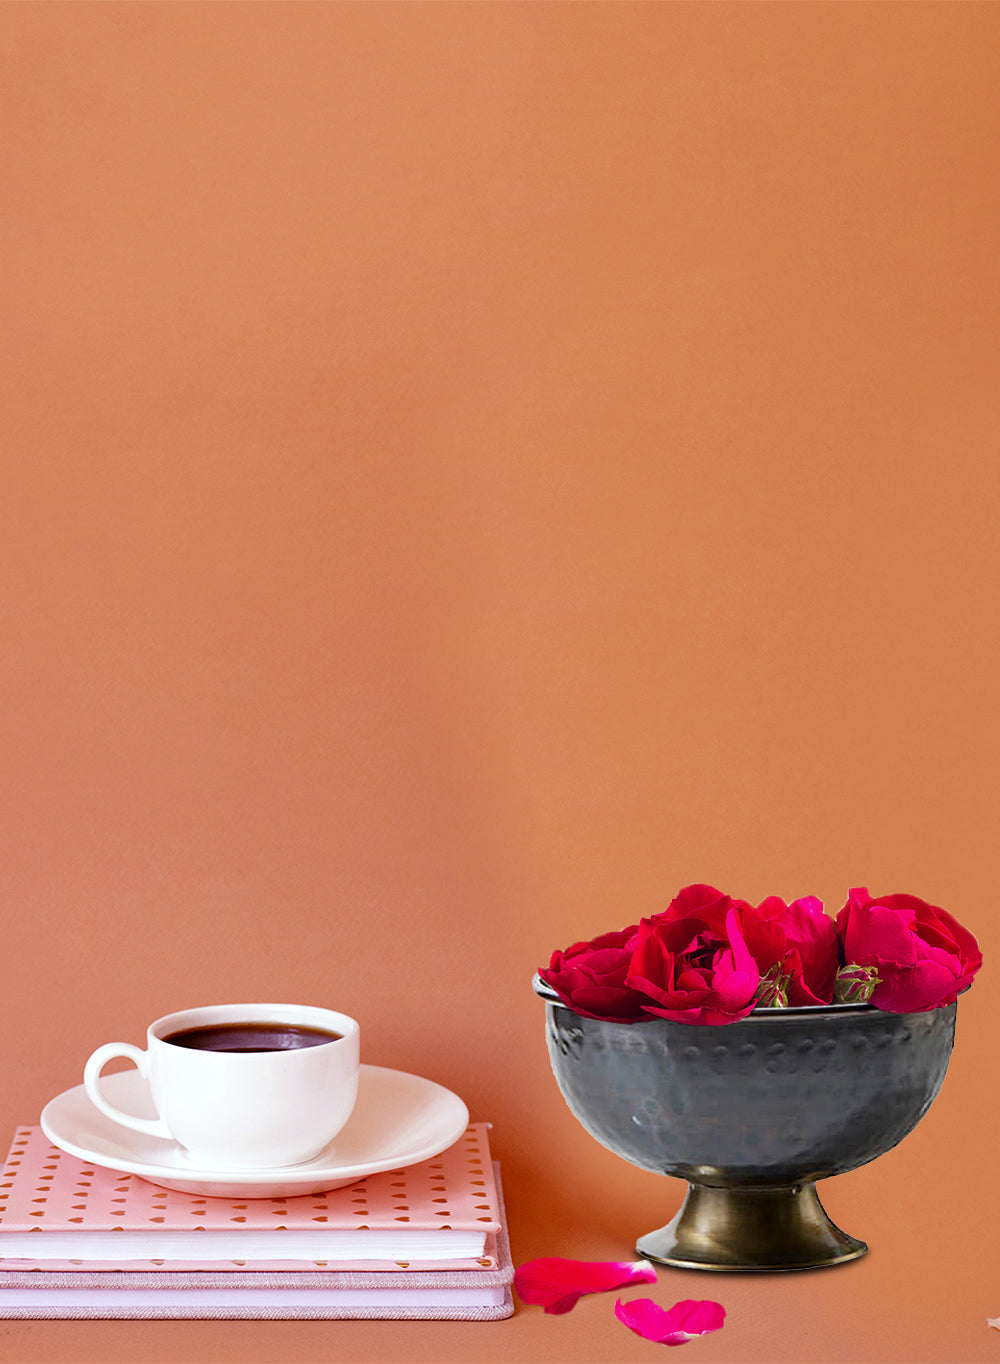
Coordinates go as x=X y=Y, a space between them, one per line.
x=468 y=471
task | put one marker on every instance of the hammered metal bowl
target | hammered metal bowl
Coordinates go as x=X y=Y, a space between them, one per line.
x=751 y=1114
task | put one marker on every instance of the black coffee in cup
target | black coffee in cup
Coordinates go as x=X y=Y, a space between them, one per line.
x=251 y=1037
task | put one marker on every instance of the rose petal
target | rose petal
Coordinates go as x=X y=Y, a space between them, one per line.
x=914 y=989
x=683 y=1322
x=557 y=1284
x=763 y=935
x=812 y=935
x=888 y=935
x=742 y=958
x=698 y=899
x=734 y=993
x=965 y=941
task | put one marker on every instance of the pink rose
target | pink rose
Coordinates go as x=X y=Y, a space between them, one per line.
x=590 y=977
x=692 y=961
x=797 y=944
x=922 y=955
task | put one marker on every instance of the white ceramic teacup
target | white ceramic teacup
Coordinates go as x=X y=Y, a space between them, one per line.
x=242 y=1109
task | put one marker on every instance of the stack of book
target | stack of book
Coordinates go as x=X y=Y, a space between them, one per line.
x=427 y=1242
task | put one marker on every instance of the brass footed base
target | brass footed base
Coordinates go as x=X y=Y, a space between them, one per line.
x=751 y=1230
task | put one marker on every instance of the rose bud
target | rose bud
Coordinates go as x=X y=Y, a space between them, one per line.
x=855 y=984
x=772 y=992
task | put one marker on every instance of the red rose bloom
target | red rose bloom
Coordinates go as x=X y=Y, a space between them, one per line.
x=692 y=961
x=922 y=955
x=799 y=941
x=590 y=977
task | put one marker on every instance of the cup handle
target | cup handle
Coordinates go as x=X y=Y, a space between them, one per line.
x=153 y=1127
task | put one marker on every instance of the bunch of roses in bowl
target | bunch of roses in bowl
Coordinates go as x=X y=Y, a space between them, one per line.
x=709 y=958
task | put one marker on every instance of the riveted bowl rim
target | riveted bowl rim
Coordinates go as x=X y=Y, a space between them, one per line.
x=817 y=1011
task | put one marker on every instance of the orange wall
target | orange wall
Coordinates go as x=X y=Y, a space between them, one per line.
x=469 y=470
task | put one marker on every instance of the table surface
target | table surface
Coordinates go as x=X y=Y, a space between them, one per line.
x=922 y=1294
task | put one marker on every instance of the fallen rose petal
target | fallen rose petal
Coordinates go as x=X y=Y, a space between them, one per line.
x=557 y=1284
x=683 y=1322
x=994 y=1322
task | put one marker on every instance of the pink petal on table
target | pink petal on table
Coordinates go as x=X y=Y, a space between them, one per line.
x=994 y=1322
x=685 y=1321
x=557 y=1284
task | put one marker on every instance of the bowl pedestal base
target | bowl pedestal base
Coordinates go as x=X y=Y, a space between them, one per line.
x=751 y=1231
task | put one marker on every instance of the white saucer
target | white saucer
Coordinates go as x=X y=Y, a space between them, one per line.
x=399 y=1119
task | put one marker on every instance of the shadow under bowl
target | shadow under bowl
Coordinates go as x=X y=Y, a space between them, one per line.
x=751 y=1114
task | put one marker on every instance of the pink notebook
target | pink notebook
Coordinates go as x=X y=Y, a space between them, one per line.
x=57 y=1211
x=421 y=1293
